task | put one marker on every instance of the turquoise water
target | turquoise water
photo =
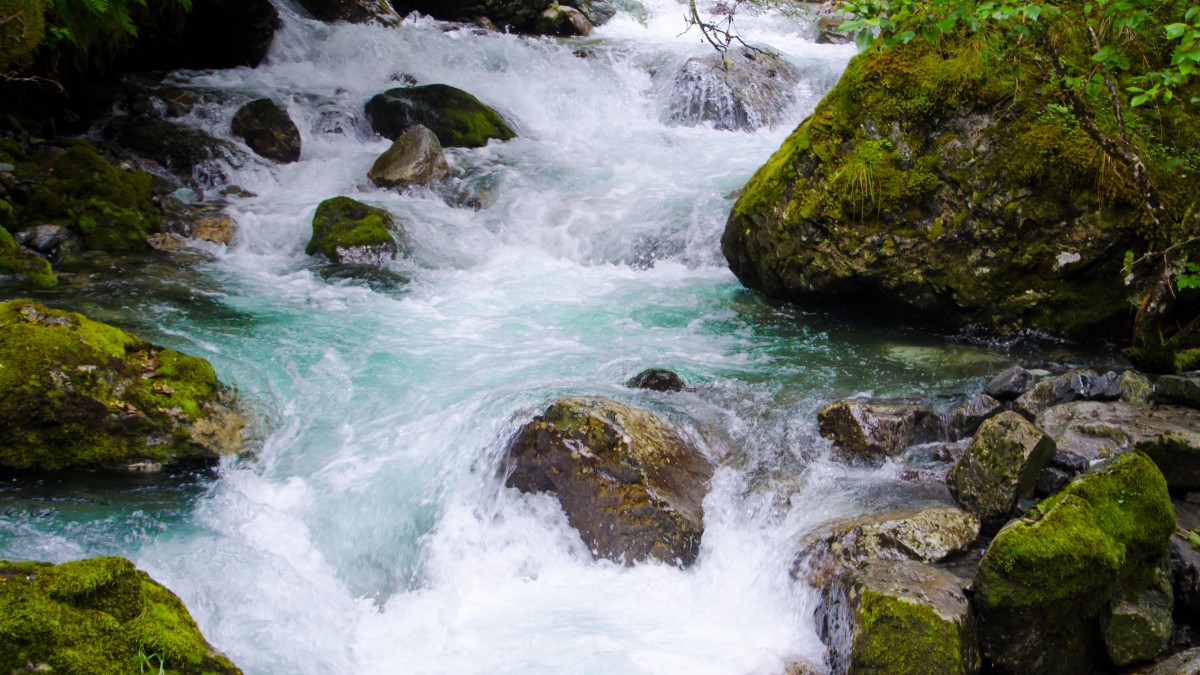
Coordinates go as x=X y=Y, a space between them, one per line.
x=369 y=531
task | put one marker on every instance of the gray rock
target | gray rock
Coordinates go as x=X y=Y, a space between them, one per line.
x=1070 y=462
x=599 y=12
x=656 y=379
x=1181 y=389
x=415 y=158
x=1137 y=626
x=1183 y=663
x=1001 y=466
x=563 y=21
x=1051 y=480
x=1011 y=383
x=1076 y=385
x=872 y=432
x=926 y=535
x=629 y=482
x=51 y=241
x=337 y=120
x=871 y=616
x=968 y=416
x=747 y=90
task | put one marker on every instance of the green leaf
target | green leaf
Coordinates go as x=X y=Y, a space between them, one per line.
x=863 y=39
x=1032 y=12
x=1139 y=100
x=1174 y=30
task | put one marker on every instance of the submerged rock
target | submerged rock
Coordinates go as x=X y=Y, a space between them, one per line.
x=744 y=90
x=416 y=158
x=926 y=535
x=656 y=379
x=457 y=118
x=1000 y=467
x=352 y=233
x=631 y=484
x=872 y=432
x=1047 y=577
x=899 y=617
x=76 y=393
x=100 y=615
x=268 y=131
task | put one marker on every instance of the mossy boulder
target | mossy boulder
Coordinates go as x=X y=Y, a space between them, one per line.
x=899 y=618
x=110 y=208
x=23 y=265
x=872 y=432
x=266 y=128
x=79 y=394
x=629 y=482
x=1000 y=467
x=457 y=118
x=101 y=616
x=1046 y=578
x=1137 y=625
x=926 y=535
x=353 y=233
x=942 y=182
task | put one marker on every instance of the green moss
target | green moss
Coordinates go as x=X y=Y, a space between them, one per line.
x=27 y=266
x=21 y=32
x=78 y=393
x=110 y=208
x=94 y=617
x=347 y=223
x=902 y=638
x=456 y=117
x=1046 y=577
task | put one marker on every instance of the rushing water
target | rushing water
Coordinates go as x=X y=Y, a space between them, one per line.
x=370 y=532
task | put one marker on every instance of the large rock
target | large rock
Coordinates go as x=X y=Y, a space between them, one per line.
x=514 y=15
x=1179 y=389
x=926 y=535
x=214 y=34
x=267 y=130
x=872 y=432
x=1000 y=467
x=75 y=393
x=630 y=483
x=1047 y=578
x=743 y=90
x=1076 y=385
x=458 y=118
x=353 y=11
x=899 y=618
x=563 y=21
x=350 y=232
x=100 y=615
x=416 y=158
x=919 y=182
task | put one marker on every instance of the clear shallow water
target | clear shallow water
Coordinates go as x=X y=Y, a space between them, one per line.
x=370 y=533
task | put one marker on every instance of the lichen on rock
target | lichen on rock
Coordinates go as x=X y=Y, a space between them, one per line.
x=76 y=393
x=100 y=616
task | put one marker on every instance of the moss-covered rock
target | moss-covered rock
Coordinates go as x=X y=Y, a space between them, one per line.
x=630 y=483
x=457 y=118
x=100 y=616
x=899 y=618
x=1000 y=467
x=266 y=128
x=76 y=393
x=108 y=207
x=349 y=232
x=1047 y=577
x=941 y=181
x=1137 y=626
x=26 y=266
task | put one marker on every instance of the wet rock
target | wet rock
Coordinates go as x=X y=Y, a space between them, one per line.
x=214 y=34
x=23 y=265
x=1135 y=387
x=742 y=91
x=1178 y=389
x=75 y=393
x=511 y=15
x=951 y=452
x=1185 y=562
x=1077 y=385
x=898 y=617
x=1011 y=383
x=339 y=120
x=352 y=11
x=968 y=416
x=1047 y=577
x=1001 y=466
x=97 y=616
x=598 y=12
x=187 y=151
x=268 y=131
x=630 y=483
x=1051 y=480
x=415 y=158
x=828 y=33
x=872 y=432
x=457 y=118
x=656 y=379
x=926 y=535
x=54 y=242
x=217 y=228
x=563 y=21
x=1137 y=625
x=1170 y=435
x=349 y=232
x=1070 y=462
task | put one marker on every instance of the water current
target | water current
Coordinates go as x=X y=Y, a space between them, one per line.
x=370 y=532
